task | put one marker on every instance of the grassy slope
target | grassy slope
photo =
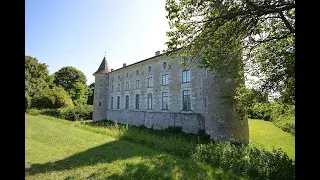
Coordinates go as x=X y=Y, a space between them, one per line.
x=58 y=149
x=266 y=134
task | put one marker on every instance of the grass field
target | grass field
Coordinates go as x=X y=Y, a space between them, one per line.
x=266 y=134
x=59 y=149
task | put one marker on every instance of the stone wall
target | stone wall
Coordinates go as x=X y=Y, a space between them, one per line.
x=189 y=122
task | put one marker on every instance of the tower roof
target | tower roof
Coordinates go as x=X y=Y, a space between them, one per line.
x=103 y=68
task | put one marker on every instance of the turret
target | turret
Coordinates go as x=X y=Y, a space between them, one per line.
x=101 y=89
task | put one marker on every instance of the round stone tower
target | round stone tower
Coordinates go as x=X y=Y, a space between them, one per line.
x=101 y=90
x=222 y=122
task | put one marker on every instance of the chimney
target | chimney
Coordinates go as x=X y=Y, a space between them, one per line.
x=157 y=53
x=111 y=70
x=124 y=64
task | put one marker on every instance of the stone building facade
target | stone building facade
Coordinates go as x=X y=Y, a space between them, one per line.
x=160 y=92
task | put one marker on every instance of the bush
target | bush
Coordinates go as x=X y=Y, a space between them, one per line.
x=72 y=113
x=56 y=97
x=33 y=112
x=246 y=161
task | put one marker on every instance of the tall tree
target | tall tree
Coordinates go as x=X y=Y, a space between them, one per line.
x=74 y=82
x=35 y=75
x=66 y=77
x=218 y=32
x=90 y=94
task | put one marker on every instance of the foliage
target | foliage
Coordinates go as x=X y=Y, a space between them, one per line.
x=68 y=76
x=219 y=33
x=35 y=75
x=90 y=93
x=77 y=93
x=49 y=80
x=281 y=114
x=246 y=161
x=27 y=100
x=56 y=97
x=80 y=112
x=33 y=111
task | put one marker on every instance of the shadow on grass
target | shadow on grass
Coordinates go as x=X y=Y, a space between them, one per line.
x=155 y=164
x=106 y=153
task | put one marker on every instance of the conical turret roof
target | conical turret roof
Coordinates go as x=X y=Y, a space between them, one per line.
x=103 y=68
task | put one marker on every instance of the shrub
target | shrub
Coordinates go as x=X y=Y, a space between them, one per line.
x=246 y=161
x=72 y=113
x=56 y=97
x=33 y=112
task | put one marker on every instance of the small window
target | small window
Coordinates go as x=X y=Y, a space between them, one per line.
x=118 y=88
x=149 y=69
x=149 y=101
x=127 y=86
x=165 y=80
x=137 y=84
x=101 y=80
x=99 y=103
x=137 y=72
x=185 y=60
x=150 y=82
x=165 y=100
x=137 y=101
x=186 y=76
x=186 y=100
x=127 y=101
x=112 y=88
x=119 y=77
x=118 y=102
x=111 y=103
x=127 y=75
x=164 y=65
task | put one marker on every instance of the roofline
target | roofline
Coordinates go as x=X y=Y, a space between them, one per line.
x=145 y=60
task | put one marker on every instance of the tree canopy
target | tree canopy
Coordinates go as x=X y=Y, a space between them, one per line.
x=35 y=75
x=68 y=76
x=220 y=32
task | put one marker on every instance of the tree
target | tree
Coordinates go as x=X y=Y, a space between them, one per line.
x=66 y=77
x=90 y=93
x=35 y=75
x=219 y=32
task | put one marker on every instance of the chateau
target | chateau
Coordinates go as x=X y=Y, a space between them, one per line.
x=160 y=93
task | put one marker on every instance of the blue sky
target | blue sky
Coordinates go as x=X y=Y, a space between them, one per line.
x=78 y=32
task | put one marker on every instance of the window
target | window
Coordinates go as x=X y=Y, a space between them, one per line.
x=185 y=60
x=186 y=100
x=137 y=72
x=186 y=76
x=137 y=84
x=149 y=69
x=112 y=79
x=112 y=88
x=165 y=79
x=111 y=105
x=99 y=103
x=118 y=89
x=164 y=65
x=127 y=86
x=118 y=77
x=127 y=75
x=118 y=102
x=150 y=82
x=127 y=101
x=149 y=101
x=137 y=101
x=165 y=100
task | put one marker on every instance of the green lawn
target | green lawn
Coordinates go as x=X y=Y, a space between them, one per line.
x=59 y=149
x=266 y=134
